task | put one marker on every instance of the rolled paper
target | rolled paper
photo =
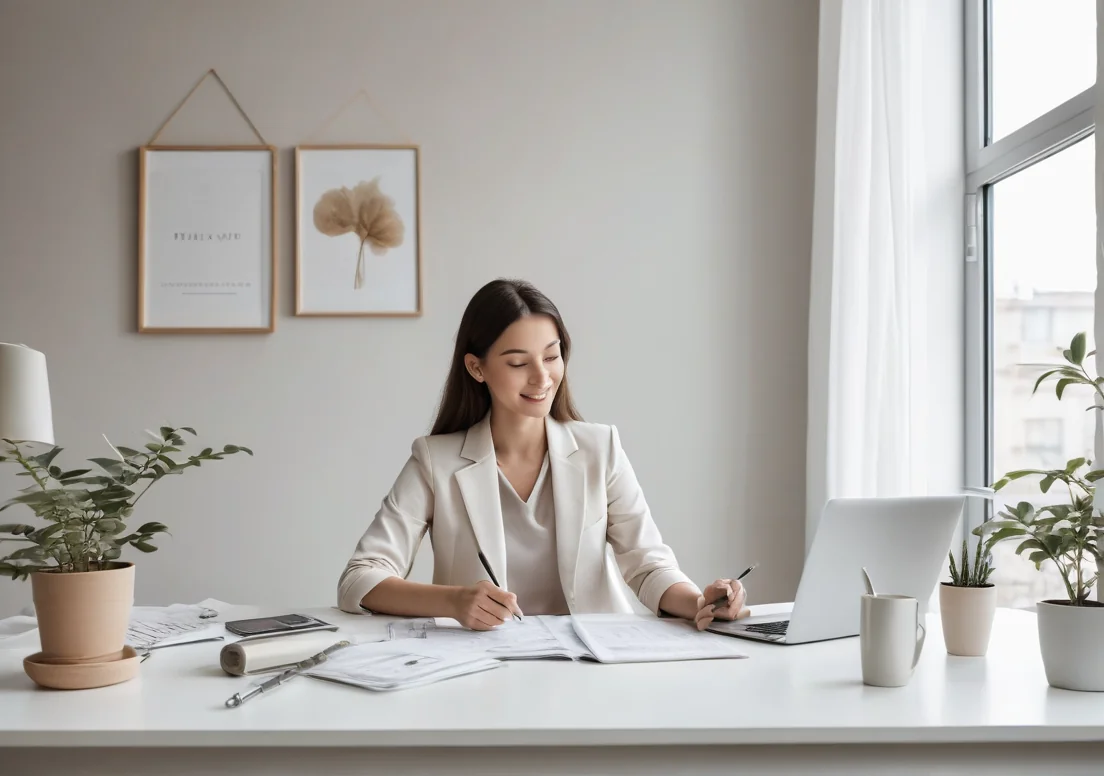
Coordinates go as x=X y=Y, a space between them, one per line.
x=273 y=653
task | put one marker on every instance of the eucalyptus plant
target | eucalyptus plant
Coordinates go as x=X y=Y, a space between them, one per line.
x=85 y=511
x=963 y=575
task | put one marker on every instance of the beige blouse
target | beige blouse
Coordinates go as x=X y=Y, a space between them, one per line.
x=530 y=528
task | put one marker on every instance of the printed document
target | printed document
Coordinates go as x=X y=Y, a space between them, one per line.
x=397 y=665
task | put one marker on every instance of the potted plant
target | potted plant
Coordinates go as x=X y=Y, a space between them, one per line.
x=967 y=604
x=82 y=590
x=1072 y=629
x=1065 y=534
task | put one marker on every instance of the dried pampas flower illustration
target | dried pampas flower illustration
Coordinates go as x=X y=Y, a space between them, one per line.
x=365 y=211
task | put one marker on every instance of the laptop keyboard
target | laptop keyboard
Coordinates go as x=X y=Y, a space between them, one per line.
x=776 y=628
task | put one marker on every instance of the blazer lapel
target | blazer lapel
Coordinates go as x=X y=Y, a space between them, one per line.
x=569 y=497
x=479 y=489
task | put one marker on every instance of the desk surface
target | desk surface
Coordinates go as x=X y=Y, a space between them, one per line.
x=808 y=694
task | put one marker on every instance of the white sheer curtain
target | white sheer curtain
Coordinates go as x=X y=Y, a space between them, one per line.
x=879 y=236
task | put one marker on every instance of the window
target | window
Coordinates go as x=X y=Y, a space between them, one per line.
x=1043 y=443
x=1030 y=253
x=1037 y=325
x=1043 y=53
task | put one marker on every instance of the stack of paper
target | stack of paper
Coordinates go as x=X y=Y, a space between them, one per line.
x=19 y=632
x=397 y=665
x=150 y=625
x=162 y=626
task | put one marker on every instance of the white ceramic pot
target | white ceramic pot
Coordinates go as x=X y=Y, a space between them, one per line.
x=967 y=617
x=1070 y=639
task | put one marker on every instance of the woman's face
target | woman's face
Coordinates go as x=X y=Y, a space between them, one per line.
x=523 y=368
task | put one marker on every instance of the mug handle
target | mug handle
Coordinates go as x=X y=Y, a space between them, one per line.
x=919 y=644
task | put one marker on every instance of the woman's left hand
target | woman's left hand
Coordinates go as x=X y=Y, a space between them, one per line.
x=732 y=608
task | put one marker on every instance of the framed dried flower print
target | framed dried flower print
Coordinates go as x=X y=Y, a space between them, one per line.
x=207 y=239
x=357 y=217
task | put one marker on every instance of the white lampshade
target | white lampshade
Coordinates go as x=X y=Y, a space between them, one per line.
x=25 y=411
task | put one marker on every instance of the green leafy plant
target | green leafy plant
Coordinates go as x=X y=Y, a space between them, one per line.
x=1073 y=372
x=85 y=511
x=1066 y=534
x=963 y=575
x=1061 y=533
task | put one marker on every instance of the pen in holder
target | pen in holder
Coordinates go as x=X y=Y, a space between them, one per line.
x=237 y=699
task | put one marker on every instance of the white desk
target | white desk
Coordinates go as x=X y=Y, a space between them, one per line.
x=958 y=715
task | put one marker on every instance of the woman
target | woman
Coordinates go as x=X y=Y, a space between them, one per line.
x=513 y=487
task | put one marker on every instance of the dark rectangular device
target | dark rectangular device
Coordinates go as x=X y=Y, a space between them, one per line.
x=282 y=624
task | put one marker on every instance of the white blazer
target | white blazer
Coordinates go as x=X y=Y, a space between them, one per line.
x=450 y=488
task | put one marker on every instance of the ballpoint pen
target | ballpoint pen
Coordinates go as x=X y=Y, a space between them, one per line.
x=743 y=574
x=271 y=684
x=494 y=579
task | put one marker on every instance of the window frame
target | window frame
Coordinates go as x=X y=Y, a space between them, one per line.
x=988 y=163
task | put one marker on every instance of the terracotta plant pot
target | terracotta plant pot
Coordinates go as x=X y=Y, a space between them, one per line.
x=1070 y=639
x=967 y=617
x=83 y=616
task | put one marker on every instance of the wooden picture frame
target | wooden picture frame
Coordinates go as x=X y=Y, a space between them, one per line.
x=347 y=264
x=207 y=239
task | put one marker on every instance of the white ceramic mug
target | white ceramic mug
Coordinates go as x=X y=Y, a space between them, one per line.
x=890 y=638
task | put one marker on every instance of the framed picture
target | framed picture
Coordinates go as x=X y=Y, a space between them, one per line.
x=207 y=239
x=358 y=230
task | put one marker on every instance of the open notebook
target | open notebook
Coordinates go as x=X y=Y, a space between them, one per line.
x=604 y=638
x=614 y=638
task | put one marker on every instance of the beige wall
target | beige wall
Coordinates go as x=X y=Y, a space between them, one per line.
x=648 y=164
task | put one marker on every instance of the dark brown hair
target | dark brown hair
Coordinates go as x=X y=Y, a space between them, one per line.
x=465 y=401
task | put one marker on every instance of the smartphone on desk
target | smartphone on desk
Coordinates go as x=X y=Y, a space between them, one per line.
x=280 y=625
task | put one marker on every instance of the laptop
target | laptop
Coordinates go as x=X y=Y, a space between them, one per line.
x=902 y=543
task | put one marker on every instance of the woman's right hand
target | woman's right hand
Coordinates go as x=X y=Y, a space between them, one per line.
x=483 y=606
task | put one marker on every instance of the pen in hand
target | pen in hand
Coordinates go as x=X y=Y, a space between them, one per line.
x=494 y=579
x=744 y=573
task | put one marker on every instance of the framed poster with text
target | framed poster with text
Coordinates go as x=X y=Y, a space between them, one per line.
x=207 y=239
